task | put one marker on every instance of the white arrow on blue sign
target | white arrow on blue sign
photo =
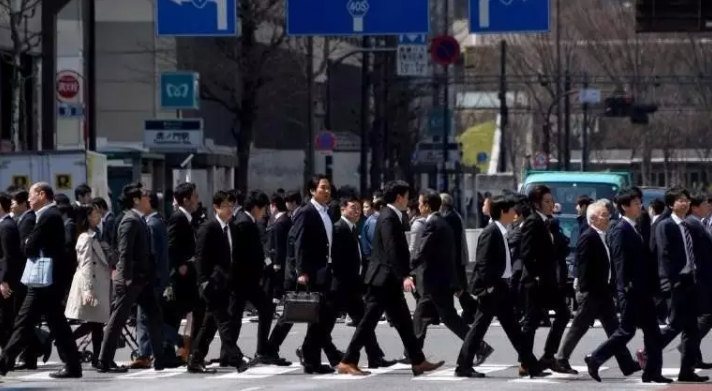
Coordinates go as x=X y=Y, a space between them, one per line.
x=196 y=18
x=510 y=16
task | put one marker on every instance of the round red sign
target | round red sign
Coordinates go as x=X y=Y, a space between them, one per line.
x=67 y=86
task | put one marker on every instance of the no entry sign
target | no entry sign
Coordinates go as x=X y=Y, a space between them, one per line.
x=68 y=85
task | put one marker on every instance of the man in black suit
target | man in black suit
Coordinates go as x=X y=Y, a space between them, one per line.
x=490 y=284
x=313 y=238
x=181 y=297
x=662 y=298
x=346 y=283
x=133 y=282
x=45 y=240
x=276 y=248
x=436 y=264
x=702 y=242
x=594 y=287
x=636 y=284
x=540 y=278
x=676 y=255
x=213 y=258
x=107 y=226
x=248 y=263
x=11 y=267
x=387 y=276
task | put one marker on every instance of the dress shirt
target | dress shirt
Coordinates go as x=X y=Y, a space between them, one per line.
x=326 y=220
x=508 y=263
x=186 y=213
x=689 y=258
x=224 y=225
x=44 y=208
x=398 y=212
x=251 y=216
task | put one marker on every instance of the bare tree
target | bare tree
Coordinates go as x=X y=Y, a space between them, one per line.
x=15 y=16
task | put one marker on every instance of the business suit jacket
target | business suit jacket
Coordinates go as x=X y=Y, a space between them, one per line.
x=134 y=254
x=213 y=259
x=514 y=238
x=635 y=268
x=159 y=249
x=47 y=238
x=702 y=241
x=181 y=240
x=593 y=263
x=436 y=258
x=455 y=223
x=311 y=247
x=25 y=224
x=108 y=232
x=70 y=241
x=644 y=224
x=390 y=259
x=12 y=263
x=277 y=237
x=346 y=259
x=671 y=249
x=538 y=252
x=248 y=257
x=490 y=260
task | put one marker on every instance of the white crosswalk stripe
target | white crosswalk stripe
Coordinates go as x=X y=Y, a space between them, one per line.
x=264 y=372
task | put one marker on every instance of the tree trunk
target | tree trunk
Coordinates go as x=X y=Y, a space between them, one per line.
x=248 y=108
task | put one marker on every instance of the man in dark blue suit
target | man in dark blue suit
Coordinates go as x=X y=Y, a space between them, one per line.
x=636 y=284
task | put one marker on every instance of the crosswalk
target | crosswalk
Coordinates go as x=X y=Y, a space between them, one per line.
x=399 y=372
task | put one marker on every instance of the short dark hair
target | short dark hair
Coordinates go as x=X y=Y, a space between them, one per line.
x=624 y=198
x=66 y=209
x=278 y=201
x=221 y=196
x=293 y=196
x=239 y=197
x=501 y=205
x=314 y=182
x=393 y=189
x=62 y=199
x=537 y=193
x=697 y=199
x=638 y=191
x=5 y=201
x=21 y=197
x=256 y=199
x=345 y=201
x=675 y=193
x=432 y=199
x=183 y=191
x=379 y=204
x=584 y=200
x=413 y=204
x=82 y=213
x=522 y=206
x=81 y=191
x=658 y=205
x=100 y=203
x=131 y=192
x=154 y=200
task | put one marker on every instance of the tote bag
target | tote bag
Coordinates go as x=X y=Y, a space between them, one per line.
x=38 y=272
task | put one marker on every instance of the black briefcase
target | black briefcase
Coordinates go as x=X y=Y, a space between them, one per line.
x=301 y=307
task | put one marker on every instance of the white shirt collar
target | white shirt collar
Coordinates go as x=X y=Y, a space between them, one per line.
x=278 y=215
x=237 y=209
x=251 y=216
x=151 y=215
x=676 y=219
x=222 y=223
x=629 y=220
x=400 y=214
x=108 y=212
x=349 y=223
x=543 y=216
x=138 y=212
x=185 y=212
x=501 y=227
x=319 y=207
x=44 y=208
x=597 y=230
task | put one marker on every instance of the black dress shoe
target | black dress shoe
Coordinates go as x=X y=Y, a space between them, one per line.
x=656 y=379
x=693 y=378
x=592 y=368
x=630 y=368
x=404 y=360
x=318 y=369
x=194 y=368
x=103 y=368
x=245 y=363
x=26 y=366
x=272 y=360
x=563 y=366
x=483 y=354
x=703 y=365
x=469 y=373
x=381 y=362
x=65 y=373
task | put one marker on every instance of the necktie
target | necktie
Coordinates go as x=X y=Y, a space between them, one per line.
x=688 y=246
x=226 y=233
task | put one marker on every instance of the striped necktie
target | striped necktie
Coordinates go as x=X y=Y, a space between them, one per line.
x=689 y=246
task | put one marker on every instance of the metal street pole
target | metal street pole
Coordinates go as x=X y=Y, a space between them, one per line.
x=89 y=35
x=584 y=130
x=559 y=89
x=309 y=158
x=364 y=118
x=567 y=126
x=446 y=100
x=503 y=109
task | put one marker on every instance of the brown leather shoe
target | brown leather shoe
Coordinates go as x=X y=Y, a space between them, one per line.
x=426 y=366
x=141 y=363
x=350 y=369
x=182 y=354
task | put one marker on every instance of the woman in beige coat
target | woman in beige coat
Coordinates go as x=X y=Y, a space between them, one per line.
x=89 y=298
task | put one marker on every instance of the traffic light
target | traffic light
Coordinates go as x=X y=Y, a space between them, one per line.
x=639 y=114
x=618 y=106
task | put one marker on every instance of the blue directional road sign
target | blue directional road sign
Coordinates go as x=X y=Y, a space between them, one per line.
x=180 y=90
x=510 y=16
x=196 y=18
x=357 y=17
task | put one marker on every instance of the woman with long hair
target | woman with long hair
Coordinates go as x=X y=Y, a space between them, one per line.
x=89 y=297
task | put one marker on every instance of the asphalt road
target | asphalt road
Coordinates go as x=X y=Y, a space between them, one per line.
x=501 y=369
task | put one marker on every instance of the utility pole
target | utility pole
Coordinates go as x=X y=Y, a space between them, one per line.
x=584 y=129
x=309 y=158
x=446 y=100
x=365 y=70
x=559 y=89
x=89 y=35
x=503 y=109
x=567 y=126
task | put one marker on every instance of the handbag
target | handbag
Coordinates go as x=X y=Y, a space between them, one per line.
x=301 y=307
x=38 y=272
